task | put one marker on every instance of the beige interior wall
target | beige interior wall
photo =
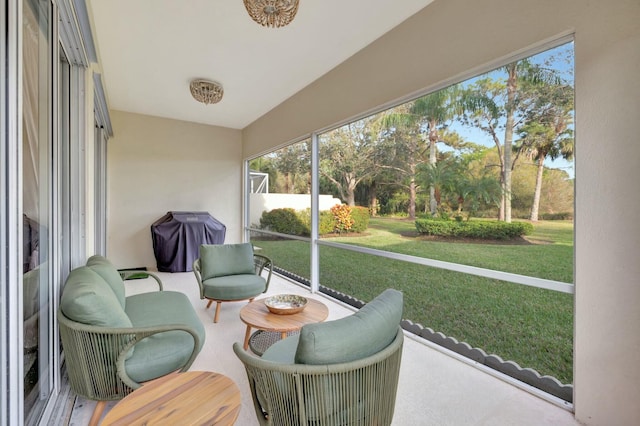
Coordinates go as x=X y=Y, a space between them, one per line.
x=156 y=165
x=451 y=37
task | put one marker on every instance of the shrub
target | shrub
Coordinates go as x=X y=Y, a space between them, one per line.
x=298 y=222
x=342 y=215
x=360 y=216
x=285 y=221
x=327 y=223
x=489 y=230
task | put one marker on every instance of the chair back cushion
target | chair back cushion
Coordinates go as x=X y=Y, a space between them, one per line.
x=103 y=267
x=88 y=299
x=218 y=260
x=357 y=336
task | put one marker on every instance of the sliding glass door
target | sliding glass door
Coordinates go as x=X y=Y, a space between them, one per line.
x=37 y=190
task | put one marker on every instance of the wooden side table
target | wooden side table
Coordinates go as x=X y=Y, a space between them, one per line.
x=256 y=315
x=194 y=397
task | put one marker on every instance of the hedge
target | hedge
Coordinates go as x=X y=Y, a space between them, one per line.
x=285 y=221
x=360 y=216
x=488 y=230
x=298 y=222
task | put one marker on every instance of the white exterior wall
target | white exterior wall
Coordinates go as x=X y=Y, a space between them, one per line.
x=266 y=202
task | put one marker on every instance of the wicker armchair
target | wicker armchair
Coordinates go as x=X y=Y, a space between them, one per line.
x=230 y=273
x=96 y=356
x=295 y=383
x=358 y=392
x=105 y=334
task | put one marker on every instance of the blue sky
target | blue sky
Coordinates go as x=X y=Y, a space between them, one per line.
x=559 y=58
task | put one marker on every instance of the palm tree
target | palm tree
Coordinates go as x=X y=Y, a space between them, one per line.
x=424 y=120
x=547 y=133
x=487 y=103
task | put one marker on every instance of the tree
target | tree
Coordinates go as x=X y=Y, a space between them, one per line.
x=470 y=182
x=347 y=157
x=403 y=150
x=423 y=121
x=501 y=105
x=547 y=133
x=292 y=163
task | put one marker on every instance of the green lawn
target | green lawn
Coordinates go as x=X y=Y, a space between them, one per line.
x=531 y=326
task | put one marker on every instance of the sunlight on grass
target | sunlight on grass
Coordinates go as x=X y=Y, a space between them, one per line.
x=549 y=255
x=531 y=326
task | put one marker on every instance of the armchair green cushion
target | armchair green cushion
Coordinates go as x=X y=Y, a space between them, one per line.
x=98 y=335
x=103 y=267
x=359 y=392
x=154 y=356
x=226 y=259
x=283 y=351
x=234 y=287
x=88 y=299
x=357 y=336
x=332 y=356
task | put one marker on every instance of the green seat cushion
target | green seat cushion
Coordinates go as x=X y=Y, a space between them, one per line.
x=234 y=287
x=103 y=267
x=88 y=299
x=165 y=352
x=226 y=259
x=357 y=336
x=283 y=351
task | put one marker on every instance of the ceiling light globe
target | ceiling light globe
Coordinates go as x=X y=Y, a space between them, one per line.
x=205 y=91
x=272 y=13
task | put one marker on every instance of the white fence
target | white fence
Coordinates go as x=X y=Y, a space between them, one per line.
x=266 y=202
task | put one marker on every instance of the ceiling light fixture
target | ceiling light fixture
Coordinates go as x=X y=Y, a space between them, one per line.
x=205 y=91
x=272 y=13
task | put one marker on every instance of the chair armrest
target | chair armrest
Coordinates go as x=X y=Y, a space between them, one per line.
x=86 y=344
x=144 y=332
x=196 y=271
x=130 y=274
x=263 y=262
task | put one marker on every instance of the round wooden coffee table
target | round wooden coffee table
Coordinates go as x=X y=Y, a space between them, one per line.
x=256 y=315
x=194 y=397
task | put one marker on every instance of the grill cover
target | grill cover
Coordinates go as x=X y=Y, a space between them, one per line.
x=177 y=237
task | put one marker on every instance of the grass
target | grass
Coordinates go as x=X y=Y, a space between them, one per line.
x=531 y=326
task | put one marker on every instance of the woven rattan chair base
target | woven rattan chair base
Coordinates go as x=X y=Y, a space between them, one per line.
x=262 y=340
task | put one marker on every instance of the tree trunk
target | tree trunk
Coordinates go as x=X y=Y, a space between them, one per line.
x=433 y=202
x=502 y=198
x=412 y=198
x=351 y=189
x=535 y=207
x=433 y=139
x=508 y=137
x=287 y=184
x=351 y=197
x=373 y=199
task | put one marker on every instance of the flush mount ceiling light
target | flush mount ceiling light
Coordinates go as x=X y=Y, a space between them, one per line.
x=272 y=13
x=205 y=91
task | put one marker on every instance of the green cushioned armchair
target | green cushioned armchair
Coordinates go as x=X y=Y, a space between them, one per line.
x=342 y=372
x=230 y=272
x=112 y=343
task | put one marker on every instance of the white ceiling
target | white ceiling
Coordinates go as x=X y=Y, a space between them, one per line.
x=149 y=50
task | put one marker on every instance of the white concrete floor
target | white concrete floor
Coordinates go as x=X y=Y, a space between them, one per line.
x=435 y=388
